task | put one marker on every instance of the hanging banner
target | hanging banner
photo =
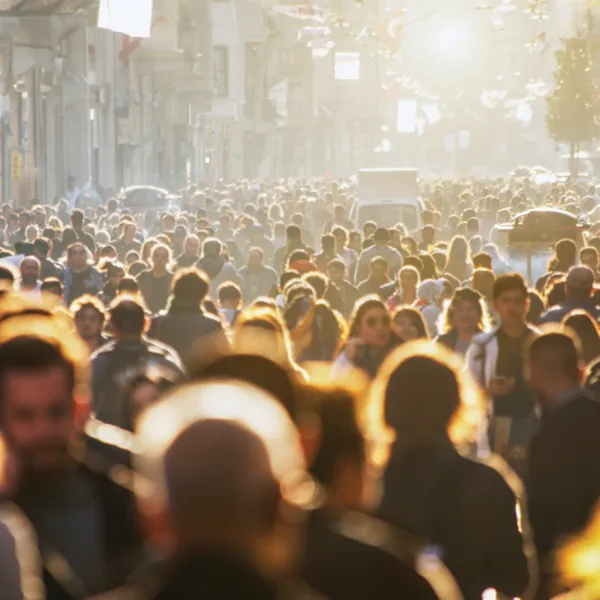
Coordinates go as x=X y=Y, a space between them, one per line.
x=133 y=17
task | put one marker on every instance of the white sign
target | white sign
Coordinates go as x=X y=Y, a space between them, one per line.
x=131 y=17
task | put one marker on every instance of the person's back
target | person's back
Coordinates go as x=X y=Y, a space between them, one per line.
x=563 y=483
x=128 y=353
x=356 y=557
x=182 y=330
x=463 y=509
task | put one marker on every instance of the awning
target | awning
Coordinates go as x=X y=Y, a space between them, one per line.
x=43 y=8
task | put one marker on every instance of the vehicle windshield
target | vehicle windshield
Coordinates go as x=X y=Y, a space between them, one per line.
x=388 y=215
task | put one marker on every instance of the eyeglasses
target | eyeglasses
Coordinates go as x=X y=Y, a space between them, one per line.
x=372 y=322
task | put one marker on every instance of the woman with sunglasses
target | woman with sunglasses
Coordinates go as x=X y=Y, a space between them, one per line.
x=464 y=317
x=370 y=338
x=408 y=324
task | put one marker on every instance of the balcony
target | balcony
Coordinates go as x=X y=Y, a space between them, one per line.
x=43 y=8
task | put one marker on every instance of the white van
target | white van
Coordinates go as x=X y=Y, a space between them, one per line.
x=388 y=197
x=388 y=212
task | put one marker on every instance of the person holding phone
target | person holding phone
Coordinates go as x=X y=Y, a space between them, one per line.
x=497 y=361
x=370 y=338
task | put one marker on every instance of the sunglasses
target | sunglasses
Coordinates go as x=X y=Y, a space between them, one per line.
x=372 y=322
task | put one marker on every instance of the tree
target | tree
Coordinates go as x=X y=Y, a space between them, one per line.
x=573 y=108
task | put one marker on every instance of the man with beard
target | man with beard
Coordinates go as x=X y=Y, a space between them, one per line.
x=83 y=519
x=89 y=316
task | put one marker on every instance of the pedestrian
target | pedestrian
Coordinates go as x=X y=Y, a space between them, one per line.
x=380 y=248
x=215 y=263
x=257 y=279
x=408 y=324
x=465 y=509
x=459 y=259
x=429 y=304
x=587 y=331
x=404 y=292
x=563 y=483
x=497 y=360
x=369 y=339
x=89 y=316
x=83 y=519
x=155 y=283
x=128 y=352
x=579 y=293
x=81 y=277
x=464 y=317
x=185 y=322
x=377 y=279
x=230 y=506
x=343 y=558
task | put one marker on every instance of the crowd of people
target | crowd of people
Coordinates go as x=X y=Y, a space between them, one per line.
x=245 y=396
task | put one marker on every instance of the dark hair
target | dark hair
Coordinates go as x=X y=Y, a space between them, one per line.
x=212 y=247
x=461 y=295
x=556 y=353
x=88 y=301
x=77 y=218
x=429 y=267
x=536 y=307
x=361 y=307
x=341 y=436
x=42 y=246
x=381 y=235
x=127 y=316
x=416 y=262
x=287 y=276
x=421 y=397
x=32 y=354
x=136 y=268
x=128 y=284
x=229 y=292
x=482 y=260
x=416 y=319
x=318 y=282
x=298 y=255
x=7 y=274
x=587 y=331
x=293 y=232
x=509 y=283
x=327 y=242
x=556 y=293
x=190 y=285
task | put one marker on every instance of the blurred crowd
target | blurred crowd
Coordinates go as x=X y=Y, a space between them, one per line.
x=247 y=396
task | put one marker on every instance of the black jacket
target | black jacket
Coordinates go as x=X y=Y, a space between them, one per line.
x=355 y=557
x=564 y=473
x=181 y=330
x=115 y=363
x=206 y=575
x=464 y=508
x=123 y=542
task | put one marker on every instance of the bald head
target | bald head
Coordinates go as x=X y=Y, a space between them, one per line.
x=218 y=474
x=30 y=271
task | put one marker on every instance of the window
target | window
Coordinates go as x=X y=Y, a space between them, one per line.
x=221 y=70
